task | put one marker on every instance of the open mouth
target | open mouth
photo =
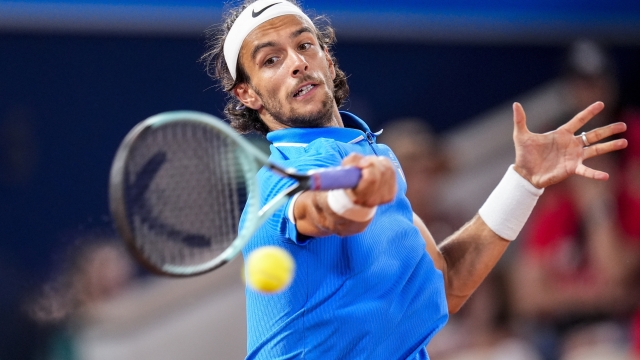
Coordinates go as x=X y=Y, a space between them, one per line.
x=303 y=90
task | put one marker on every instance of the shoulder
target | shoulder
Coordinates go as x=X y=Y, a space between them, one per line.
x=302 y=157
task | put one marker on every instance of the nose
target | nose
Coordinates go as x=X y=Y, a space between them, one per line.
x=299 y=64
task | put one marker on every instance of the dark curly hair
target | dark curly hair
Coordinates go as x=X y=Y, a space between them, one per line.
x=244 y=119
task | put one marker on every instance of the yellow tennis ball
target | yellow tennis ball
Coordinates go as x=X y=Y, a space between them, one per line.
x=269 y=269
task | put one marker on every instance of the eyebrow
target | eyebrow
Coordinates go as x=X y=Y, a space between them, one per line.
x=260 y=47
x=302 y=30
x=295 y=34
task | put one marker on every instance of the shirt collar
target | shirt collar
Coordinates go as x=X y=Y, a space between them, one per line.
x=353 y=128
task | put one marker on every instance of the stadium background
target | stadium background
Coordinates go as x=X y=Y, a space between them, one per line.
x=76 y=76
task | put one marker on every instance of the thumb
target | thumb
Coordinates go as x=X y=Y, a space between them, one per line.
x=519 y=120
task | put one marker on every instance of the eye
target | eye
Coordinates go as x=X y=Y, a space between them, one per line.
x=304 y=46
x=270 y=61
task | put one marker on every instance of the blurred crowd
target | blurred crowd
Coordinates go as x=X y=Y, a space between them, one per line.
x=96 y=269
x=568 y=289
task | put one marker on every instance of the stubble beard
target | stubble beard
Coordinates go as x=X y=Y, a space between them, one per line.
x=321 y=118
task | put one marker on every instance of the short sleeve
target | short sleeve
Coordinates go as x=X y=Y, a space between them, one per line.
x=290 y=225
x=319 y=154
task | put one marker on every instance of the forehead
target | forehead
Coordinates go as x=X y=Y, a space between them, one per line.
x=275 y=30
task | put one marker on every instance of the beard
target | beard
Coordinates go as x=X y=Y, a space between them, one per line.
x=320 y=118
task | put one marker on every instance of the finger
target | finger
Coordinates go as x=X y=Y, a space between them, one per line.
x=384 y=162
x=591 y=173
x=519 y=119
x=352 y=159
x=378 y=185
x=598 y=134
x=369 y=160
x=600 y=149
x=365 y=193
x=583 y=117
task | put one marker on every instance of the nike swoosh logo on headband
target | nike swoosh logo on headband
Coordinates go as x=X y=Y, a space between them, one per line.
x=256 y=14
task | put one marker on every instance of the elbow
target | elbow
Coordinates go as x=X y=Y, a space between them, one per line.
x=454 y=303
x=453 y=309
x=456 y=296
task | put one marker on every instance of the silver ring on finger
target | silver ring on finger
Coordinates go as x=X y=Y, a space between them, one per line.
x=584 y=139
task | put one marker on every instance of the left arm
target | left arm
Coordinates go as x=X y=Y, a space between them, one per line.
x=467 y=256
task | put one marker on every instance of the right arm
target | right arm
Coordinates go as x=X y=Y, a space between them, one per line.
x=313 y=215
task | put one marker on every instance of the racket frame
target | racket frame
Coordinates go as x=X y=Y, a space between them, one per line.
x=251 y=161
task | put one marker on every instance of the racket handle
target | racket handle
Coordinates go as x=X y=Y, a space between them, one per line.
x=335 y=178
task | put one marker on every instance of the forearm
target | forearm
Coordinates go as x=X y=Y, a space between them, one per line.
x=541 y=160
x=475 y=249
x=469 y=254
x=347 y=212
x=314 y=217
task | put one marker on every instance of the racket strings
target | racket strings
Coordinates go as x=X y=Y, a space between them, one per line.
x=185 y=193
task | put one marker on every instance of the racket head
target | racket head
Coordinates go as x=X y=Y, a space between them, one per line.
x=178 y=184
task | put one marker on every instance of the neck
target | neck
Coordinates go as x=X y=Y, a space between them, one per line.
x=337 y=119
x=272 y=124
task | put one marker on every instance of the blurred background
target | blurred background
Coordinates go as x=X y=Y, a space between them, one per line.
x=440 y=78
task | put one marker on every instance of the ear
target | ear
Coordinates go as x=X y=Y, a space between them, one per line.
x=247 y=96
x=332 y=68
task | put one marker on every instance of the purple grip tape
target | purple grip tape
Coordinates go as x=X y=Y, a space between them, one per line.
x=335 y=178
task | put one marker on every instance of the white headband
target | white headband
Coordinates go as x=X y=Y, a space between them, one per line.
x=254 y=15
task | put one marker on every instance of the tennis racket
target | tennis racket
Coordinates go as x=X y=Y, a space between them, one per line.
x=179 y=183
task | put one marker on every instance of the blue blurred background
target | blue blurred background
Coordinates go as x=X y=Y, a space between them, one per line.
x=75 y=76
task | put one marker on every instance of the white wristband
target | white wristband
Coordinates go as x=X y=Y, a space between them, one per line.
x=509 y=205
x=342 y=205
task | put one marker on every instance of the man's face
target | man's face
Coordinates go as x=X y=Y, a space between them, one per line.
x=291 y=76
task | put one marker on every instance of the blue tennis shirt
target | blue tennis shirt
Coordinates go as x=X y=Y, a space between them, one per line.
x=374 y=295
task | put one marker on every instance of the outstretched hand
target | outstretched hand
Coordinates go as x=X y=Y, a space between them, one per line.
x=546 y=159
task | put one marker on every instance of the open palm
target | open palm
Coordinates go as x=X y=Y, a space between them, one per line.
x=546 y=159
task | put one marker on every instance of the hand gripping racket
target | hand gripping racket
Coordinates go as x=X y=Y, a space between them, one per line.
x=179 y=183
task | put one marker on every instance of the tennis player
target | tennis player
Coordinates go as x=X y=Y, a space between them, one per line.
x=365 y=287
